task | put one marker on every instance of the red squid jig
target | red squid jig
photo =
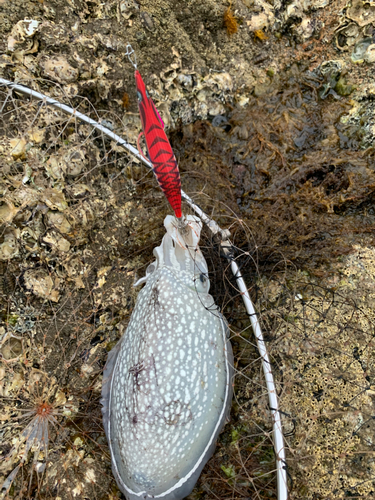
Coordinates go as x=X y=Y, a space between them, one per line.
x=159 y=149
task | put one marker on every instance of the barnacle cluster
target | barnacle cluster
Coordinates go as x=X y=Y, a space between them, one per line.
x=353 y=38
x=326 y=350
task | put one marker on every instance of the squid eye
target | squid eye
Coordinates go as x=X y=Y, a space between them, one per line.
x=202 y=278
x=139 y=96
x=147 y=94
x=150 y=269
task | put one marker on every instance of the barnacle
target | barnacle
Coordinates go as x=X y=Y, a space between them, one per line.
x=42 y=284
x=9 y=248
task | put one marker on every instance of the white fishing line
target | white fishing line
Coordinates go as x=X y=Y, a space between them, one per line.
x=278 y=439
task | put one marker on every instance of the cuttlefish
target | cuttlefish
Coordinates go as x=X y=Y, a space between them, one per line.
x=167 y=385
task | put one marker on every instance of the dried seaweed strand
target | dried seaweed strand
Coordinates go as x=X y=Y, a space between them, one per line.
x=230 y=21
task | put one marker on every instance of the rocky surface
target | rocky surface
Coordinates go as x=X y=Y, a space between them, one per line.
x=269 y=106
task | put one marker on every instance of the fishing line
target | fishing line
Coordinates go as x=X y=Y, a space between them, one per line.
x=222 y=236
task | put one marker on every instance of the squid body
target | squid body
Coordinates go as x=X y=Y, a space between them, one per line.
x=167 y=384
